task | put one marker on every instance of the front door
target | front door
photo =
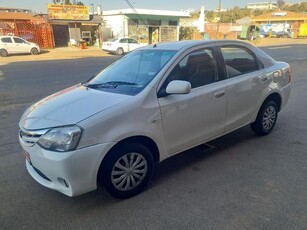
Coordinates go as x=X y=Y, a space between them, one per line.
x=21 y=46
x=191 y=119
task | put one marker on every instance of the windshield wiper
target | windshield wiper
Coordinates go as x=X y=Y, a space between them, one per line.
x=109 y=84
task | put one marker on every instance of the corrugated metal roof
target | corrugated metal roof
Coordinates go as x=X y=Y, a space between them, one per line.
x=280 y=16
x=146 y=12
x=16 y=16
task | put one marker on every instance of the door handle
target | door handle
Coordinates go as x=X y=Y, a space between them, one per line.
x=219 y=94
x=263 y=78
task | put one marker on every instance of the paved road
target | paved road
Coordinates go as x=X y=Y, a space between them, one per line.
x=247 y=182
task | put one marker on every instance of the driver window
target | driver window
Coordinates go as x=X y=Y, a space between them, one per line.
x=199 y=68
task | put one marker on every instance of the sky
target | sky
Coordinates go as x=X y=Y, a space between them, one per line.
x=40 y=6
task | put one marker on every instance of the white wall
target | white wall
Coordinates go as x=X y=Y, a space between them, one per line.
x=117 y=24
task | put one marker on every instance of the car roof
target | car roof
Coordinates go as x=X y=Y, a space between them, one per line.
x=176 y=46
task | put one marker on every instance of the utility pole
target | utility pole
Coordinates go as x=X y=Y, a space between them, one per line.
x=219 y=16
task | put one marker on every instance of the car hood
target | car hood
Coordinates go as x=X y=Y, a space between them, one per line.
x=68 y=107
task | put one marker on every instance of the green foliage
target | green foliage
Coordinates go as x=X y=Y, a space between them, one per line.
x=209 y=16
x=280 y=4
x=298 y=8
x=234 y=14
x=186 y=33
x=194 y=14
x=68 y=2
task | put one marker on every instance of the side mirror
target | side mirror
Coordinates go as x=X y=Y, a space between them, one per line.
x=178 y=87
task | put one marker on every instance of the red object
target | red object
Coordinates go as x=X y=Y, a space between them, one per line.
x=83 y=45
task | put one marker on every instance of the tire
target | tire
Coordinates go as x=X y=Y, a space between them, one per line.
x=133 y=159
x=3 y=53
x=266 y=118
x=119 y=51
x=34 y=51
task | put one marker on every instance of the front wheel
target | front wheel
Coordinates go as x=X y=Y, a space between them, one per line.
x=34 y=51
x=127 y=170
x=266 y=118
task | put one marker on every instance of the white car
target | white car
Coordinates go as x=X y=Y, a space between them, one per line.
x=120 y=46
x=151 y=104
x=17 y=45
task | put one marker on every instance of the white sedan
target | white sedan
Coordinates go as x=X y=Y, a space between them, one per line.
x=149 y=105
x=17 y=45
x=120 y=46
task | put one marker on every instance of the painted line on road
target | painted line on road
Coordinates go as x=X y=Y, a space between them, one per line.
x=279 y=47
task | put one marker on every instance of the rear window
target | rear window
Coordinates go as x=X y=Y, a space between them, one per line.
x=239 y=60
x=6 y=40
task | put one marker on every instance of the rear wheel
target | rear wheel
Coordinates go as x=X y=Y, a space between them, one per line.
x=119 y=51
x=127 y=170
x=3 y=53
x=266 y=118
x=34 y=51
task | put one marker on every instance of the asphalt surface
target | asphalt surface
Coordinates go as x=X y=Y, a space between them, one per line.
x=244 y=182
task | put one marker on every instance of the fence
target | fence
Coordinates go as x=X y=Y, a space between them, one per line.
x=38 y=31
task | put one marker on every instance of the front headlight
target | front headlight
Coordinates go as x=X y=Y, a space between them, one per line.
x=61 y=139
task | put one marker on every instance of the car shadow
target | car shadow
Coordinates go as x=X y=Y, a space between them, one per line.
x=193 y=157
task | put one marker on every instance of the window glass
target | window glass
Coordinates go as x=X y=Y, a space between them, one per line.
x=6 y=40
x=239 y=60
x=132 y=73
x=199 y=68
x=18 y=40
x=132 y=41
x=124 y=40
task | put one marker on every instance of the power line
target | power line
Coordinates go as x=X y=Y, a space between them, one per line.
x=136 y=13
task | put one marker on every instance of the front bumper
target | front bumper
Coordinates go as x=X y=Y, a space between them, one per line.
x=71 y=173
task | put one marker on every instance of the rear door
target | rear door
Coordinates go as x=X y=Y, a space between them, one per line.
x=246 y=85
x=124 y=43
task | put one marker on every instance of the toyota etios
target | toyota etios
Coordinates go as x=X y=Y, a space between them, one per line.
x=154 y=102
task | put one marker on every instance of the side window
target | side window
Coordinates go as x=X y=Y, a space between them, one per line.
x=6 y=40
x=199 y=68
x=124 y=40
x=132 y=41
x=18 y=40
x=239 y=60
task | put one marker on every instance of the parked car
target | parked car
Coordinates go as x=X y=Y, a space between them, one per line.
x=151 y=104
x=17 y=45
x=120 y=46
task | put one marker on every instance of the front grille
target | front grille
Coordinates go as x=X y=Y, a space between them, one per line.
x=29 y=138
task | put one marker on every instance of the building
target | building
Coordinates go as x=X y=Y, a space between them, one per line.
x=149 y=26
x=73 y=23
x=15 y=10
x=291 y=19
x=262 y=6
x=279 y=17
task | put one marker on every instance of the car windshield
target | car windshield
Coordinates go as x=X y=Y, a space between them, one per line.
x=132 y=73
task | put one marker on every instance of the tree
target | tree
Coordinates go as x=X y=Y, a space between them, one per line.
x=280 y=4
x=209 y=16
x=186 y=33
x=68 y=2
